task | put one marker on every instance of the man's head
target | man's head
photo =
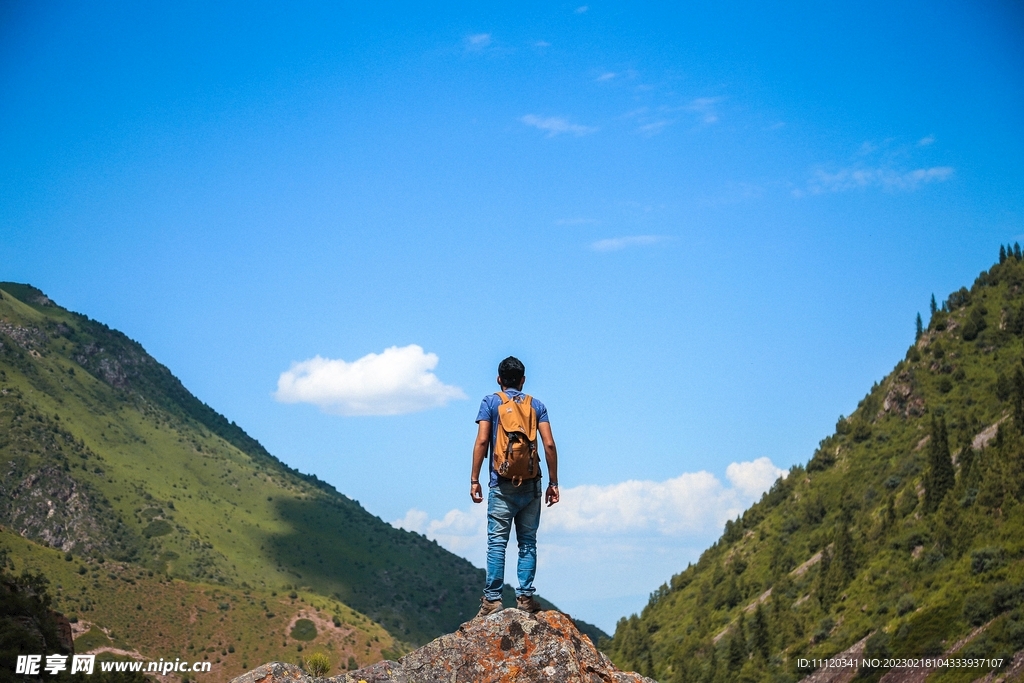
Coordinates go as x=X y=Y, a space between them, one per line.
x=511 y=373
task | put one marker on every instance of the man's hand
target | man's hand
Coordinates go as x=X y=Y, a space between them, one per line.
x=551 y=456
x=551 y=495
x=483 y=440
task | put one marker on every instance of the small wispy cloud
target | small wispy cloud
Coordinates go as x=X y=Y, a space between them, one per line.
x=606 y=76
x=734 y=193
x=620 y=243
x=925 y=141
x=705 y=108
x=635 y=113
x=889 y=179
x=577 y=221
x=651 y=121
x=400 y=380
x=477 y=42
x=556 y=125
x=654 y=127
x=541 y=43
x=582 y=9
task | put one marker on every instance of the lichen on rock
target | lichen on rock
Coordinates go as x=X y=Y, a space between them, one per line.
x=510 y=645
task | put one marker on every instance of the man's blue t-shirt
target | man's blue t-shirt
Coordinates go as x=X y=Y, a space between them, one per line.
x=489 y=411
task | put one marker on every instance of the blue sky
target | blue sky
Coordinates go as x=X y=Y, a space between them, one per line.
x=706 y=229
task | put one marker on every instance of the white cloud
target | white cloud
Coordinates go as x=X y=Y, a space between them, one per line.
x=925 y=141
x=477 y=41
x=753 y=478
x=853 y=178
x=555 y=125
x=582 y=9
x=606 y=76
x=909 y=181
x=640 y=531
x=463 y=532
x=691 y=503
x=705 y=108
x=397 y=381
x=542 y=43
x=618 y=243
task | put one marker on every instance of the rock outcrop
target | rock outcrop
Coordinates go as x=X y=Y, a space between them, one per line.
x=510 y=645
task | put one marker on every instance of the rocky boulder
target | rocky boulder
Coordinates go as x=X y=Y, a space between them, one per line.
x=510 y=645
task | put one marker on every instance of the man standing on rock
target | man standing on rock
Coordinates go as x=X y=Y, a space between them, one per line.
x=507 y=426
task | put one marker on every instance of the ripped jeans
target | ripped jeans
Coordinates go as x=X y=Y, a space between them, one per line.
x=508 y=504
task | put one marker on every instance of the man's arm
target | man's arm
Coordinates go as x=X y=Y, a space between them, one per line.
x=551 y=456
x=483 y=439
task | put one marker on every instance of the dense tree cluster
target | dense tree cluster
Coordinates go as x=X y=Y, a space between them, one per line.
x=903 y=529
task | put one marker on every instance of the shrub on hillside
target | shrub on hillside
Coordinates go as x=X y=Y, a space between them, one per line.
x=317 y=665
x=977 y=608
x=906 y=604
x=986 y=559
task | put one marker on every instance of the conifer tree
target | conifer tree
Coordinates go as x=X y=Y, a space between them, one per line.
x=1002 y=253
x=837 y=567
x=844 y=562
x=946 y=523
x=966 y=462
x=941 y=476
x=890 y=513
x=823 y=587
x=760 y=639
x=712 y=671
x=920 y=328
x=991 y=484
x=738 y=645
x=780 y=614
x=1018 y=399
x=732 y=592
x=933 y=307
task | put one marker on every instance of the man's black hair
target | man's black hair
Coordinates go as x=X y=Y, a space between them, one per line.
x=511 y=371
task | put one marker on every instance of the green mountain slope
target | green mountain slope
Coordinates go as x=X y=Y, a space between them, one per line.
x=905 y=528
x=104 y=454
x=121 y=610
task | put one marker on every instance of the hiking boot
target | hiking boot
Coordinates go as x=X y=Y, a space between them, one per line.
x=527 y=604
x=488 y=607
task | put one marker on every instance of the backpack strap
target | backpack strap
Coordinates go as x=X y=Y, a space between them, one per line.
x=527 y=399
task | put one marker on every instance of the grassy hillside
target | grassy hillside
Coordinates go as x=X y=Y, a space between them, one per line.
x=905 y=527
x=122 y=608
x=105 y=455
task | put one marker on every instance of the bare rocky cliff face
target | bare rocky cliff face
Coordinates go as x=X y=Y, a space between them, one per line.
x=50 y=507
x=509 y=645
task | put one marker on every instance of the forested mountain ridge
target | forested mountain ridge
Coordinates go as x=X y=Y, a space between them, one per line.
x=104 y=455
x=904 y=528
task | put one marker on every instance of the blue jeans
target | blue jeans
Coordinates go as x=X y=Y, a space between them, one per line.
x=508 y=503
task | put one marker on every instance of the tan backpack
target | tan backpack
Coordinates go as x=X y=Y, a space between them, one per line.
x=515 y=443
